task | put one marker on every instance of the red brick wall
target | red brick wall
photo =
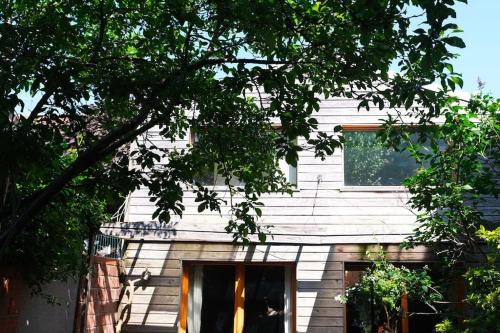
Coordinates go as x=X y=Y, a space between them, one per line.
x=104 y=296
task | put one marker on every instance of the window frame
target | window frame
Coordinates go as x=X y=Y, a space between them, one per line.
x=218 y=186
x=365 y=188
x=239 y=295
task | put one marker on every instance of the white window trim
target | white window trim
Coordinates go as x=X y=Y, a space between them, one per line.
x=292 y=173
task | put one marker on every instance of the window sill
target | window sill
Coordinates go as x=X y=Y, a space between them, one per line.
x=373 y=189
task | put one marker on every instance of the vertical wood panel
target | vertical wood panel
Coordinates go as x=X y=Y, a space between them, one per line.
x=294 y=298
x=405 y=326
x=184 y=299
x=239 y=299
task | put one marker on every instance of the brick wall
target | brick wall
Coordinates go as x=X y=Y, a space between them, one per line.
x=104 y=296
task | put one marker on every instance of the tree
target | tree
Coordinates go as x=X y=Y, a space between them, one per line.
x=51 y=249
x=456 y=193
x=131 y=66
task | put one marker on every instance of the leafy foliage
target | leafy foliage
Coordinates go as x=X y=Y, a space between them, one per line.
x=459 y=180
x=484 y=287
x=382 y=287
x=52 y=247
x=233 y=68
x=456 y=193
x=483 y=295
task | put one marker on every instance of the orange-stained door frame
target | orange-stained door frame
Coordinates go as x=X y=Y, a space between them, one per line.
x=184 y=299
x=239 y=299
x=362 y=127
x=405 y=324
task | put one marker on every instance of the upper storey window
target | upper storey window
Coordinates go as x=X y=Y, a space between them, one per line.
x=210 y=175
x=368 y=162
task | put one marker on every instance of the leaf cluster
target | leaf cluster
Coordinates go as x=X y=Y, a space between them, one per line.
x=383 y=284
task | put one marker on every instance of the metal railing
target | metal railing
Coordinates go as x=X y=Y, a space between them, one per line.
x=108 y=246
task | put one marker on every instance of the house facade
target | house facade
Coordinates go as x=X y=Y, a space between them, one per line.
x=203 y=282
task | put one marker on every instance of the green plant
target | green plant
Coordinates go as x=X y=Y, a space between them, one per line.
x=483 y=291
x=459 y=177
x=483 y=287
x=380 y=290
x=456 y=194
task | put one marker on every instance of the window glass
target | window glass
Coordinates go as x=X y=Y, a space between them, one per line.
x=367 y=162
x=267 y=298
x=209 y=176
x=289 y=171
x=206 y=176
x=211 y=299
x=264 y=299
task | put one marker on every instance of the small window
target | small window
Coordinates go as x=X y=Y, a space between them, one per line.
x=368 y=162
x=289 y=171
x=209 y=176
x=254 y=298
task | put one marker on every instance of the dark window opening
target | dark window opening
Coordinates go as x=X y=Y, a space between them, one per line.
x=421 y=319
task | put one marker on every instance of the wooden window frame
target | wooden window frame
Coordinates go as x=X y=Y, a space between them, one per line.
x=366 y=188
x=239 y=291
x=361 y=127
x=274 y=126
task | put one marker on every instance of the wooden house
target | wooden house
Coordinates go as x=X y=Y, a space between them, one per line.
x=203 y=282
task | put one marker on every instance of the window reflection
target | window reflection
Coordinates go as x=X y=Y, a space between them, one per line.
x=368 y=162
x=264 y=299
x=211 y=299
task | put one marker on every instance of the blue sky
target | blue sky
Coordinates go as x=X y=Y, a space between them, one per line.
x=481 y=58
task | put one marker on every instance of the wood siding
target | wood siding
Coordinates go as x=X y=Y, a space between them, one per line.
x=321 y=210
x=319 y=274
x=320 y=228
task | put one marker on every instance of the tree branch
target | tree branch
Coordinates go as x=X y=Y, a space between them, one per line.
x=39 y=106
x=98 y=151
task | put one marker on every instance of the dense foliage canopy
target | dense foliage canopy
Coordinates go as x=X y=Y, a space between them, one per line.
x=456 y=191
x=128 y=66
x=457 y=194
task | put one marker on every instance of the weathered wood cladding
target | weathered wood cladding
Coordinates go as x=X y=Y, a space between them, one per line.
x=320 y=228
x=321 y=210
x=319 y=272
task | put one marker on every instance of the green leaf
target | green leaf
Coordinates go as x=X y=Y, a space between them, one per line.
x=454 y=41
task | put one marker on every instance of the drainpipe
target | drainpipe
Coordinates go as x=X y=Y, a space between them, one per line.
x=372 y=307
x=90 y=252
